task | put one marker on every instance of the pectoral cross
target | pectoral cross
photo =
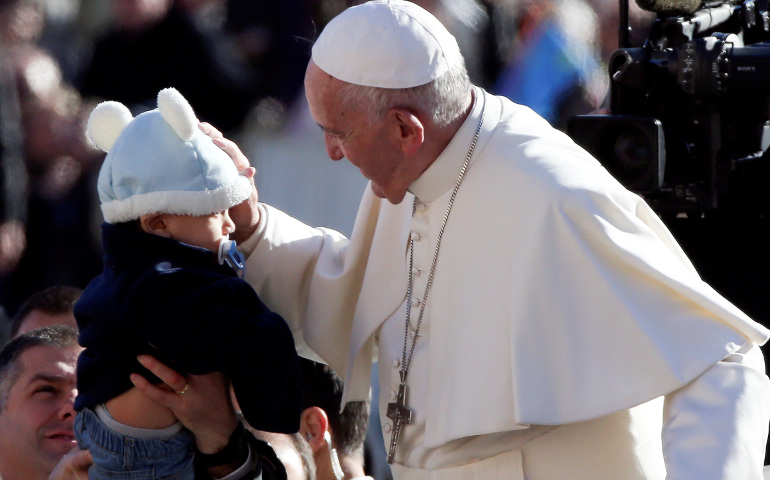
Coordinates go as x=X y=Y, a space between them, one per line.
x=401 y=415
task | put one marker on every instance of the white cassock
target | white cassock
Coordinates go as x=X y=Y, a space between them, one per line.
x=561 y=312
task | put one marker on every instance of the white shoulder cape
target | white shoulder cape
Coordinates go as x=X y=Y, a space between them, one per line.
x=559 y=298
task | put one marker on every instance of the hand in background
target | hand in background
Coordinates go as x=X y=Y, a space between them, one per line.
x=73 y=466
x=13 y=241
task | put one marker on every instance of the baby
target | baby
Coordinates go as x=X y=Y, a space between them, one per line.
x=171 y=288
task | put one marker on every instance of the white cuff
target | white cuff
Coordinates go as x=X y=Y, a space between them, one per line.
x=716 y=426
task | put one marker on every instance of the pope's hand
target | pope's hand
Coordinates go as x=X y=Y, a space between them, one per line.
x=245 y=216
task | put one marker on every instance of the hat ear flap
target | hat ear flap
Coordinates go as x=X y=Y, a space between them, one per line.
x=106 y=122
x=178 y=113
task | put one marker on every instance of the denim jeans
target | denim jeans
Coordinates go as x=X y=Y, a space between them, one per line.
x=119 y=457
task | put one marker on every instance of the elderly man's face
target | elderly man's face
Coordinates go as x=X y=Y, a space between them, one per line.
x=36 y=426
x=349 y=134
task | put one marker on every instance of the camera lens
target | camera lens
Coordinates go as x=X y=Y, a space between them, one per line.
x=630 y=147
x=626 y=151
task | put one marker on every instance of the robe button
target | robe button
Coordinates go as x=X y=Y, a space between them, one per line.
x=386 y=427
x=416 y=237
x=393 y=395
x=416 y=302
x=396 y=363
x=416 y=271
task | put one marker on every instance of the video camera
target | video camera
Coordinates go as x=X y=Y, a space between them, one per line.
x=690 y=108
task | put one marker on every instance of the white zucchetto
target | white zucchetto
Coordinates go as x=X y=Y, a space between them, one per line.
x=386 y=44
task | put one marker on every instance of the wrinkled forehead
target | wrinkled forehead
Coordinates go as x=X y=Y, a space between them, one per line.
x=320 y=83
x=322 y=91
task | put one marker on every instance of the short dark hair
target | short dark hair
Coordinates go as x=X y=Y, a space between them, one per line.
x=323 y=389
x=59 y=336
x=54 y=300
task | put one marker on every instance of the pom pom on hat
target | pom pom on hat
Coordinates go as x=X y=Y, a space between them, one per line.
x=106 y=122
x=160 y=162
x=178 y=113
x=386 y=44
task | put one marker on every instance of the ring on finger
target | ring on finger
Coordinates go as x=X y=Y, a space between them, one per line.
x=183 y=390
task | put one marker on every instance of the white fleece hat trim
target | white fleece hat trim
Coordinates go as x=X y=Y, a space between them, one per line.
x=178 y=202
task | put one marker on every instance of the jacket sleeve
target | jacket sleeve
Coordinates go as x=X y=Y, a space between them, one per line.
x=716 y=426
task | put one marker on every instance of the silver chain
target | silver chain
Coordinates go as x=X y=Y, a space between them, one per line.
x=406 y=357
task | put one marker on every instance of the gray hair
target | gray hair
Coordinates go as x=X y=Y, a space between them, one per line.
x=58 y=336
x=443 y=100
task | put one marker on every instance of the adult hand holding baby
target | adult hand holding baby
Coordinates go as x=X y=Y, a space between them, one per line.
x=200 y=402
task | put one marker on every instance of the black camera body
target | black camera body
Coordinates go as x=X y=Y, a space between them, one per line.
x=690 y=120
x=689 y=132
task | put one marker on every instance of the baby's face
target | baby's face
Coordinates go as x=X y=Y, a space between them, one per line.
x=207 y=231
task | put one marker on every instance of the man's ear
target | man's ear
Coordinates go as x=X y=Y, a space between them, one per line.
x=408 y=129
x=154 y=223
x=313 y=423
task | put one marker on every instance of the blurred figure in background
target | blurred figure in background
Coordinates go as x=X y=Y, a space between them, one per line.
x=155 y=44
x=468 y=21
x=274 y=37
x=70 y=27
x=608 y=15
x=13 y=175
x=554 y=65
x=62 y=246
x=57 y=237
x=20 y=23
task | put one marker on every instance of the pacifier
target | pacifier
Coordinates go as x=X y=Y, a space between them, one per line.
x=229 y=255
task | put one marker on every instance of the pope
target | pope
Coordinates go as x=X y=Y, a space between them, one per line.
x=531 y=317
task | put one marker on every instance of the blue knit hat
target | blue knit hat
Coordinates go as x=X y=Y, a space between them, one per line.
x=161 y=162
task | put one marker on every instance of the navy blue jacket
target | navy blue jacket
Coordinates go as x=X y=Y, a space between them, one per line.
x=175 y=302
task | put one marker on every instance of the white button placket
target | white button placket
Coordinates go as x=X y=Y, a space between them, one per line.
x=421 y=260
x=395 y=378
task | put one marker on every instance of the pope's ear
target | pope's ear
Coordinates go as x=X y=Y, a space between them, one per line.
x=407 y=129
x=154 y=223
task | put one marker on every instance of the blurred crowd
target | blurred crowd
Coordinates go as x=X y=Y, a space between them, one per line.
x=241 y=64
